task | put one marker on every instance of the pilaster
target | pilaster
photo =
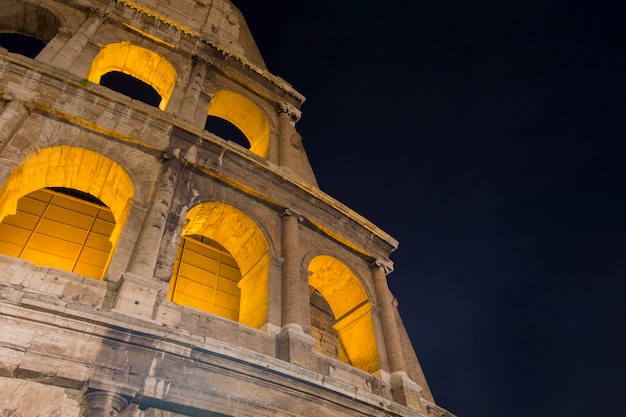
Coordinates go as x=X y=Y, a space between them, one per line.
x=294 y=301
x=145 y=254
x=293 y=344
x=194 y=88
x=393 y=345
x=287 y=118
x=13 y=116
x=70 y=51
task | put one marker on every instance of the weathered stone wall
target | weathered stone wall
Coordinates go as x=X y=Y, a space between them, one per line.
x=32 y=398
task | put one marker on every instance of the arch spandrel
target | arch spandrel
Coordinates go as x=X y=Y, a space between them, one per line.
x=246 y=116
x=139 y=62
x=247 y=244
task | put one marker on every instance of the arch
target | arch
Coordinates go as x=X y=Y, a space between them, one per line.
x=351 y=308
x=29 y=19
x=25 y=45
x=246 y=116
x=72 y=168
x=141 y=63
x=240 y=236
x=226 y=130
x=131 y=87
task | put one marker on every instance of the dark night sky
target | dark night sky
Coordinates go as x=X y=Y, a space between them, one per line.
x=487 y=137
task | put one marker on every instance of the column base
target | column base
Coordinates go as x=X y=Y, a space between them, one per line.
x=137 y=296
x=405 y=391
x=295 y=346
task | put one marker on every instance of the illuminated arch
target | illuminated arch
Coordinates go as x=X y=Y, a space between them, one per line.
x=141 y=63
x=246 y=243
x=244 y=114
x=73 y=168
x=351 y=307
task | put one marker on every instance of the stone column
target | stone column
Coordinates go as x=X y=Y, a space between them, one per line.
x=294 y=345
x=68 y=54
x=287 y=118
x=291 y=300
x=194 y=88
x=404 y=390
x=138 y=291
x=386 y=300
x=102 y=404
x=274 y=321
x=11 y=119
x=145 y=254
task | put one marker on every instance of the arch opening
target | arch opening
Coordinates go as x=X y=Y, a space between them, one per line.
x=322 y=322
x=64 y=207
x=246 y=116
x=26 y=27
x=29 y=46
x=222 y=265
x=351 y=313
x=53 y=228
x=140 y=63
x=226 y=130
x=131 y=87
x=206 y=277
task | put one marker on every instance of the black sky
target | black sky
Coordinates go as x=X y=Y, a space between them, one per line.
x=487 y=137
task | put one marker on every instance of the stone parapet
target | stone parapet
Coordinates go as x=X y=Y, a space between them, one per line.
x=75 y=346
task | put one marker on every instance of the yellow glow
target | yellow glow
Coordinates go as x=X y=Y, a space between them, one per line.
x=351 y=308
x=70 y=167
x=60 y=231
x=138 y=62
x=243 y=239
x=206 y=277
x=246 y=116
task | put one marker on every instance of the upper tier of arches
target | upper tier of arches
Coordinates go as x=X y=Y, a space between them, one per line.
x=159 y=66
x=70 y=204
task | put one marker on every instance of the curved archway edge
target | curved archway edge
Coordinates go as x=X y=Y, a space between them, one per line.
x=71 y=167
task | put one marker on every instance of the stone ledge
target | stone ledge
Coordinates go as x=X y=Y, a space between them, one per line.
x=116 y=332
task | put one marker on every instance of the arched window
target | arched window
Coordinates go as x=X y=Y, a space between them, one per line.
x=322 y=322
x=26 y=27
x=245 y=116
x=28 y=46
x=131 y=87
x=140 y=63
x=351 y=312
x=222 y=266
x=206 y=277
x=64 y=207
x=60 y=228
x=226 y=130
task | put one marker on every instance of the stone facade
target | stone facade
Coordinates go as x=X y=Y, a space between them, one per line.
x=106 y=307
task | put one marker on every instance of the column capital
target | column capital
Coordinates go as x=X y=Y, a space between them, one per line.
x=6 y=98
x=287 y=212
x=198 y=59
x=174 y=155
x=384 y=264
x=102 y=404
x=103 y=14
x=289 y=110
